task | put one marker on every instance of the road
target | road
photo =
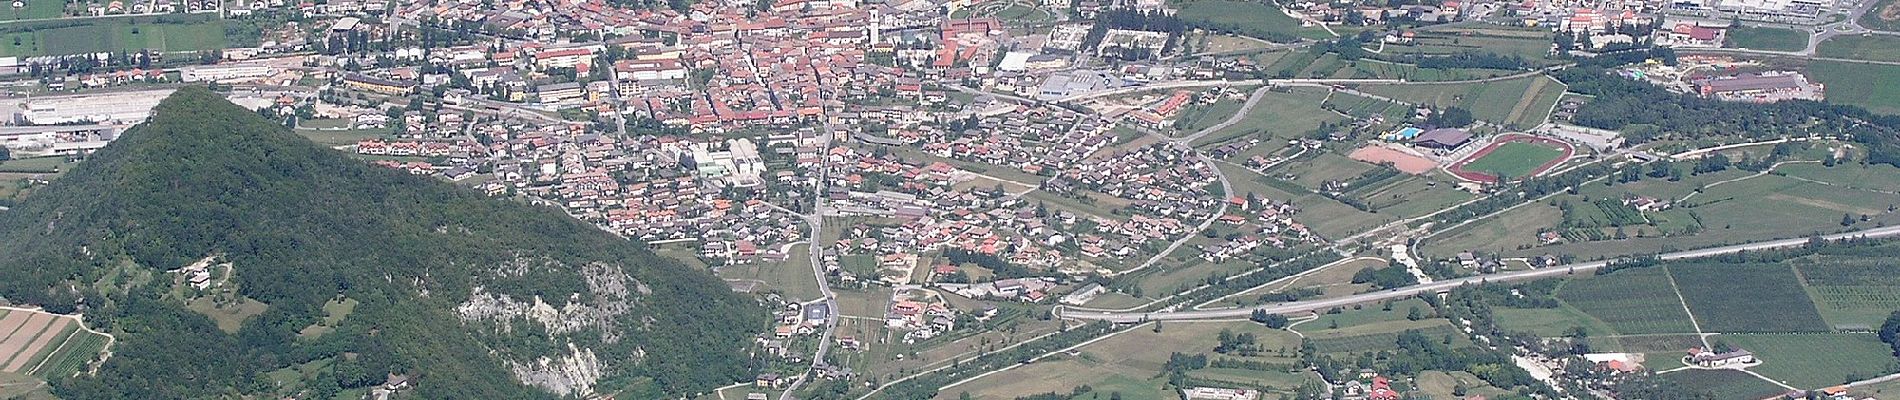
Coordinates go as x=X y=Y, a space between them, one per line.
x=1409 y=291
x=817 y=221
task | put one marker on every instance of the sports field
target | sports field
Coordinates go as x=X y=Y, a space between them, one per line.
x=1513 y=157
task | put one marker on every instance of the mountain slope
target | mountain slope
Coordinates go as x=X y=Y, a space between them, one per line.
x=475 y=297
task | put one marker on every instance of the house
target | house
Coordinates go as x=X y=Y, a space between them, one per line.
x=1711 y=359
x=1209 y=393
x=377 y=85
x=770 y=381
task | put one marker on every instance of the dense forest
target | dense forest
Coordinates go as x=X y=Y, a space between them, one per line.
x=303 y=225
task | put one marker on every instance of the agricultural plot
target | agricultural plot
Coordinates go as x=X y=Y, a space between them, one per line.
x=1256 y=19
x=45 y=345
x=37 y=9
x=1724 y=384
x=1528 y=43
x=1630 y=301
x=1277 y=117
x=1380 y=336
x=1816 y=360
x=1508 y=231
x=1549 y=322
x=113 y=35
x=1129 y=362
x=1746 y=298
x=1522 y=102
x=1851 y=292
x=1843 y=80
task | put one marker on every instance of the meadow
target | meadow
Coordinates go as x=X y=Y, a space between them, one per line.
x=1872 y=48
x=1843 y=80
x=130 y=34
x=1127 y=362
x=1775 y=39
x=1256 y=19
x=1816 y=360
x=1522 y=103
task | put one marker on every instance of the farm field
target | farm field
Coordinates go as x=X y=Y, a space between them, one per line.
x=1127 y=362
x=36 y=165
x=1506 y=231
x=1872 y=48
x=1766 y=39
x=1522 y=103
x=114 y=35
x=1746 y=297
x=1260 y=20
x=1724 y=384
x=42 y=9
x=1516 y=159
x=1630 y=301
x=1307 y=64
x=1816 y=360
x=1851 y=292
x=1328 y=217
x=791 y=277
x=1351 y=321
x=1379 y=336
x=1279 y=115
x=1842 y=80
x=45 y=345
x=1549 y=322
x=1528 y=43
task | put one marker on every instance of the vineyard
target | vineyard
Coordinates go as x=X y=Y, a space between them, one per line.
x=1631 y=301
x=72 y=357
x=1747 y=298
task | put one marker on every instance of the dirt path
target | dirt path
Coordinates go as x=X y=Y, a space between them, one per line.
x=1524 y=103
x=34 y=324
x=52 y=332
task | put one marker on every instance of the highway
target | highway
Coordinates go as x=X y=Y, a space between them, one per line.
x=1316 y=305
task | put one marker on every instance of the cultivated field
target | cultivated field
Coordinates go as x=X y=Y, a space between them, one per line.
x=1724 y=384
x=1816 y=360
x=1851 y=292
x=1746 y=298
x=1128 y=362
x=1629 y=301
x=1257 y=19
x=1278 y=116
x=45 y=345
x=112 y=35
x=1521 y=103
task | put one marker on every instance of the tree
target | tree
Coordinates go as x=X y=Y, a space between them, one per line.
x=1414 y=314
x=1847 y=220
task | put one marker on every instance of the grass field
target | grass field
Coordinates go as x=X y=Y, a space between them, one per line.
x=36 y=165
x=1766 y=39
x=1529 y=43
x=1746 y=298
x=1816 y=360
x=1522 y=103
x=1280 y=116
x=791 y=277
x=1724 y=384
x=1256 y=19
x=1514 y=159
x=1843 y=80
x=114 y=35
x=1629 y=301
x=1885 y=15
x=1873 y=48
x=35 y=9
x=1128 y=362
x=1379 y=336
x=1549 y=322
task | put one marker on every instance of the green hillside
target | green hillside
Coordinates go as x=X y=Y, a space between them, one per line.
x=441 y=277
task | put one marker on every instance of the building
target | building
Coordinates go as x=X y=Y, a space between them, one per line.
x=106 y=108
x=558 y=92
x=1759 y=88
x=1710 y=359
x=377 y=85
x=216 y=73
x=1208 y=393
x=1442 y=138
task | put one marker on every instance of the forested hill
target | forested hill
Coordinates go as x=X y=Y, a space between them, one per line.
x=446 y=283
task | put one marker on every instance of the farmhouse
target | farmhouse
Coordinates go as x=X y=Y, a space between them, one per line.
x=1710 y=359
